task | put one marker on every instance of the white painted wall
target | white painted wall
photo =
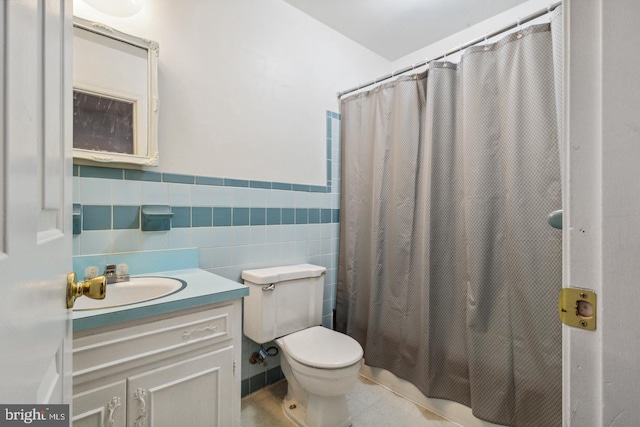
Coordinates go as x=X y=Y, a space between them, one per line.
x=244 y=85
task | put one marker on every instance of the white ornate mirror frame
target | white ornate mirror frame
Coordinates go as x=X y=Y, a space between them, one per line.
x=111 y=68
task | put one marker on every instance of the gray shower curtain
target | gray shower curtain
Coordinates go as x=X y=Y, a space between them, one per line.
x=448 y=273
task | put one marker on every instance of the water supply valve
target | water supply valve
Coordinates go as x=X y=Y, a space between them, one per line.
x=261 y=355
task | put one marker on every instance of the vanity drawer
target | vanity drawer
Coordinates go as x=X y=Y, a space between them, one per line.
x=125 y=345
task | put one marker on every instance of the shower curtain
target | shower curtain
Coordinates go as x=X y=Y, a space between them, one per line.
x=448 y=273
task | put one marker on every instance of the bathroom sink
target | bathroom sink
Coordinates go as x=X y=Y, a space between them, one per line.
x=138 y=289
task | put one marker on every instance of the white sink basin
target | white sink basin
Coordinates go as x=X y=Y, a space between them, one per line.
x=138 y=289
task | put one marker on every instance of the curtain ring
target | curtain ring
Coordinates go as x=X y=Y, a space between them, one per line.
x=519 y=29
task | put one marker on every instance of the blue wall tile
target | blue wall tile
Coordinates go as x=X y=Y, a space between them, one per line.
x=258 y=216
x=314 y=216
x=302 y=216
x=288 y=216
x=281 y=186
x=245 y=390
x=97 y=172
x=126 y=217
x=336 y=215
x=240 y=216
x=260 y=184
x=236 y=182
x=273 y=216
x=221 y=217
x=201 y=216
x=96 y=217
x=274 y=375
x=300 y=187
x=257 y=382
x=181 y=216
x=142 y=175
x=178 y=179
x=325 y=216
x=317 y=189
x=206 y=180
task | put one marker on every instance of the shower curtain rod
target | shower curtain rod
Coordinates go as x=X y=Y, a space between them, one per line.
x=519 y=22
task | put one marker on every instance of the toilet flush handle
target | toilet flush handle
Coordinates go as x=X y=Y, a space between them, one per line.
x=271 y=287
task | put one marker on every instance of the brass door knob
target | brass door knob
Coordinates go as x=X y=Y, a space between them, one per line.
x=95 y=288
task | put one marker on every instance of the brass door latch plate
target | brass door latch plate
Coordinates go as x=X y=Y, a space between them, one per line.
x=577 y=308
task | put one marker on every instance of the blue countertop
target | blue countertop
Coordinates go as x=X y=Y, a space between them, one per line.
x=202 y=288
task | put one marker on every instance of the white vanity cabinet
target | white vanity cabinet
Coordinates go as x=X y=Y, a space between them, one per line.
x=177 y=369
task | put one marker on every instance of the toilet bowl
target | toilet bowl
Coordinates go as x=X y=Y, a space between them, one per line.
x=285 y=305
x=321 y=366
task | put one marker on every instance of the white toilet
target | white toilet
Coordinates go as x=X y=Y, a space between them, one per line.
x=320 y=365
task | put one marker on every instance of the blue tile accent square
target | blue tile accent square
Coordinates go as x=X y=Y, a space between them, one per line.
x=281 y=186
x=221 y=217
x=142 y=175
x=207 y=180
x=236 y=182
x=178 y=179
x=258 y=216
x=96 y=217
x=76 y=170
x=98 y=172
x=201 y=217
x=126 y=217
x=314 y=216
x=328 y=170
x=302 y=216
x=240 y=216
x=329 y=127
x=273 y=216
x=260 y=184
x=288 y=216
x=181 y=216
x=325 y=216
x=329 y=148
x=336 y=215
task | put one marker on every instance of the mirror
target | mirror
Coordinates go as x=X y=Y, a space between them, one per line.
x=115 y=96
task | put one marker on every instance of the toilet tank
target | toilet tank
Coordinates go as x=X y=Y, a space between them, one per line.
x=282 y=300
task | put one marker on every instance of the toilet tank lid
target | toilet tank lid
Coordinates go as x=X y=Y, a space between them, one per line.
x=262 y=276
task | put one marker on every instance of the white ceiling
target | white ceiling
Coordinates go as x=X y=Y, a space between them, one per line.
x=395 y=28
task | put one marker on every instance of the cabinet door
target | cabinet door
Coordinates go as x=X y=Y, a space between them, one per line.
x=190 y=392
x=101 y=406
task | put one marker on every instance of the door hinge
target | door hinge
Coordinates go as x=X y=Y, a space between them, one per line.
x=235 y=364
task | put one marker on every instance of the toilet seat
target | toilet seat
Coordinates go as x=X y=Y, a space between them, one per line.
x=319 y=347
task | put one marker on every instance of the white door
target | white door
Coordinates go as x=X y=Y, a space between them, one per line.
x=601 y=383
x=35 y=200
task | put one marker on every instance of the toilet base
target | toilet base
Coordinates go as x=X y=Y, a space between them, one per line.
x=325 y=411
